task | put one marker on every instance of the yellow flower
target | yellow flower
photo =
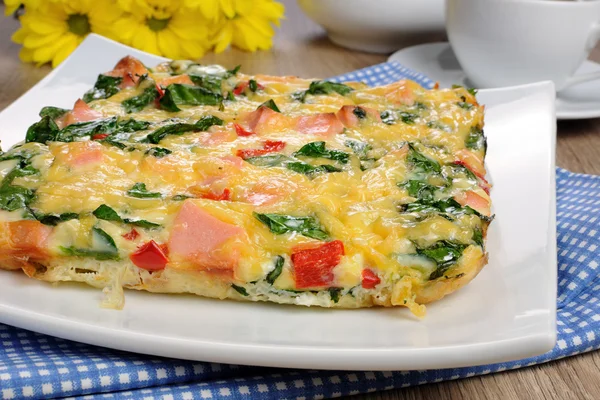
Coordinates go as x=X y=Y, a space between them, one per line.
x=164 y=28
x=245 y=24
x=51 y=31
x=10 y=6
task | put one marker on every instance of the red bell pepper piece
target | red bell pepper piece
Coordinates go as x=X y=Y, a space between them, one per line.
x=131 y=235
x=369 y=279
x=269 y=146
x=226 y=195
x=150 y=257
x=241 y=131
x=313 y=268
x=100 y=136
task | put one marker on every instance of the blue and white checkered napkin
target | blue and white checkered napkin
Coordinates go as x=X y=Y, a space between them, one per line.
x=40 y=366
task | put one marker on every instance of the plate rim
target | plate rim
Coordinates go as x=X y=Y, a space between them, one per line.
x=560 y=113
x=287 y=356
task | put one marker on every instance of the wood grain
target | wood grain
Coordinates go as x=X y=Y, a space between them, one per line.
x=301 y=48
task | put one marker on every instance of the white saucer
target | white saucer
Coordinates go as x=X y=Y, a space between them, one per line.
x=437 y=61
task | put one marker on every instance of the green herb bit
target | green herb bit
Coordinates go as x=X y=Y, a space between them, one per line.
x=177 y=94
x=408 y=118
x=105 y=87
x=270 y=104
x=158 y=152
x=203 y=124
x=476 y=139
x=335 y=293
x=139 y=191
x=360 y=148
x=241 y=290
x=53 y=112
x=318 y=150
x=444 y=254
x=106 y=213
x=421 y=163
x=419 y=189
x=139 y=102
x=55 y=219
x=252 y=85
x=280 y=224
x=99 y=239
x=276 y=271
x=359 y=112
x=472 y=91
x=388 y=117
x=478 y=237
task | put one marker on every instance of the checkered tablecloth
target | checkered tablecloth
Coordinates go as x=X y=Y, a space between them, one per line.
x=33 y=365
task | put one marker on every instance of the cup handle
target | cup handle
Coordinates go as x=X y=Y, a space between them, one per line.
x=591 y=43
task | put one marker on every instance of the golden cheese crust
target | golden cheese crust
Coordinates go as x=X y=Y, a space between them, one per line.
x=193 y=179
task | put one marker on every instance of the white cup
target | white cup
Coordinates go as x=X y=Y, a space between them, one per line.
x=512 y=42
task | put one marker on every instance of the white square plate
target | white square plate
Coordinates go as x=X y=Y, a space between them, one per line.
x=507 y=312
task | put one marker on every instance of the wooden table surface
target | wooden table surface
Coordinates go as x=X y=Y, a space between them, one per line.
x=301 y=48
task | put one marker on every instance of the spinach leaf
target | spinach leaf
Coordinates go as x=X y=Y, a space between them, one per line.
x=53 y=112
x=407 y=117
x=360 y=148
x=180 y=94
x=105 y=87
x=131 y=125
x=276 y=271
x=464 y=105
x=388 y=117
x=47 y=131
x=280 y=224
x=472 y=91
x=334 y=293
x=272 y=160
x=419 y=189
x=137 y=103
x=476 y=139
x=99 y=239
x=178 y=129
x=448 y=209
x=241 y=290
x=181 y=197
x=139 y=191
x=233 y=72
x=444 y=254
x=252 y=85
x=211 y=83
x=359 y=112
x=270 y=104
x=43 y=131
x=478 y=237
x=158 y=152
x=15 y=197
x=322 y=87
x=280 y=160
x=420 y=163
x=80 y=130
x=108 y=214
x=318 y=150
x=55 y=219
x=307 y=169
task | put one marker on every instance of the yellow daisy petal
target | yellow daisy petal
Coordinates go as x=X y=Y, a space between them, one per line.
x=64 y=52
x=43 y=55
x=32 y=41
x=168 y=44
x=224 y=38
